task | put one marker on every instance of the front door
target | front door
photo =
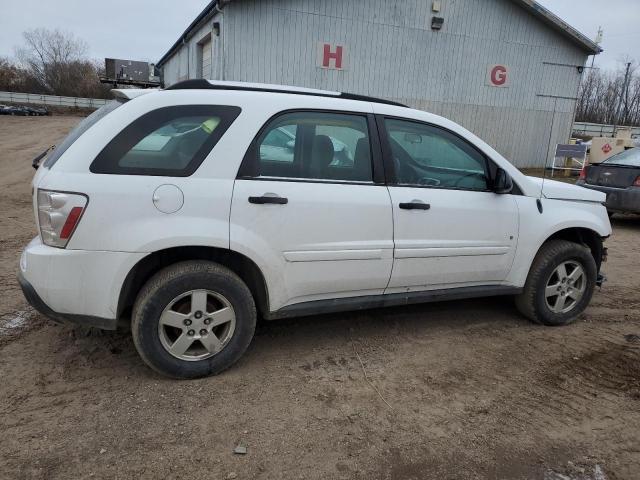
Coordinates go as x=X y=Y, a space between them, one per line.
x=306 y=209
x=449 y=228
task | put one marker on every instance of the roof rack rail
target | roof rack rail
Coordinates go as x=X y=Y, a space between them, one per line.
x=202 y=84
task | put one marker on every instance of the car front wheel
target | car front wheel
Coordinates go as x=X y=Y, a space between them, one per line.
x=193 y=319
x=560 y=283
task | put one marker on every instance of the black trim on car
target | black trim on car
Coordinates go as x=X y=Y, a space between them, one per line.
x=335 y=305
x=107 y=160
x=250 y=168
x=202 y=84
x=376 y=151
x=36 y=302
x=307 y=180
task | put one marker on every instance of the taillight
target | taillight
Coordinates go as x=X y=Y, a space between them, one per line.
x=636 y=182
x=58 y=215
x=583 y=173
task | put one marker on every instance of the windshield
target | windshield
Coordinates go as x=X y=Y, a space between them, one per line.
x=630 y=158
x=79 y=129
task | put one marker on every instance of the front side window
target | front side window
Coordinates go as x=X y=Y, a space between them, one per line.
x=171 y=141
x=313 y=145
x=425 y=155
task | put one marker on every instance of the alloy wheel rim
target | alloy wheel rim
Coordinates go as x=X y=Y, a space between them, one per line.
x=565 y=287
x=196 y=325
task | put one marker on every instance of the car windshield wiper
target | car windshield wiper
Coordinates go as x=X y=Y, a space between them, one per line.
x=35 y=163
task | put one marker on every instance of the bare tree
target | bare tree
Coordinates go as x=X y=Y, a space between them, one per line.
x=50 y=55
x=605 y=97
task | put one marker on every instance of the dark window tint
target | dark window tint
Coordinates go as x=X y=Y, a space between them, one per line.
x=430 y=156
x=171 y=141
x=314 y=145
x=79 y=129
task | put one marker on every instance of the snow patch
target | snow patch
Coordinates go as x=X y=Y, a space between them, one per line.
x=577 y=474
x=14 y=321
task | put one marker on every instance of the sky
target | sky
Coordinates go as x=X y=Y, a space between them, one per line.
x=144 y=30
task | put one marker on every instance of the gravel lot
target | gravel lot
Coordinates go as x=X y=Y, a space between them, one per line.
x=463 y=389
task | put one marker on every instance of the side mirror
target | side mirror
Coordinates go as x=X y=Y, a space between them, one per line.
x=291 y=144
x=502 y=183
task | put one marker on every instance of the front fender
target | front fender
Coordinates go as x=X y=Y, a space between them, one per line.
x=537 y=227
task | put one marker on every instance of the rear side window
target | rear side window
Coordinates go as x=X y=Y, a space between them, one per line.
x=312 y=145
x=170 y=141
x=82 y=127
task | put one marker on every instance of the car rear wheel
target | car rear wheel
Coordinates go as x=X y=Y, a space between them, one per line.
x=193 y=319
x=560 y=283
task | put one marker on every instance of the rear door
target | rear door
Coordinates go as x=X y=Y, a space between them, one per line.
x=305 y=204
x=450 y=229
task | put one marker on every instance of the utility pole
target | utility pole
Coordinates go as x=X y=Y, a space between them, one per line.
x=624 y=94
x=627 y=82
x=598 y=42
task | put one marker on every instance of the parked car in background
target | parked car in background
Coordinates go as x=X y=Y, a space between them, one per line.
x=189 y=212
x=11 y=110
x=619 y=178
x=36 y=111
x=21 y=110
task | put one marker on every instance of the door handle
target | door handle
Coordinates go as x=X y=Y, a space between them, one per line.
x=415 y=206
x=269 y=199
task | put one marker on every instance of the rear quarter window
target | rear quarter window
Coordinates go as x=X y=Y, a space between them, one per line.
x=170 y=141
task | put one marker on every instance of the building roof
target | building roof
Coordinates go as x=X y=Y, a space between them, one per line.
x=555 y=22
x=204 y=16
x=533 y=7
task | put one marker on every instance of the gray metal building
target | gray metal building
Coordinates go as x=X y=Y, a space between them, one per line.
x=508 y=70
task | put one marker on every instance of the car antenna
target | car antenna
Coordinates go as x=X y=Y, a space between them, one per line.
x=546 y=159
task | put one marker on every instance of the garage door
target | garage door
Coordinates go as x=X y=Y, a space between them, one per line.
x=206 y=60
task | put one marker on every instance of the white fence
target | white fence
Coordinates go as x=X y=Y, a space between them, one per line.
x=598 y=130
x=53 y=100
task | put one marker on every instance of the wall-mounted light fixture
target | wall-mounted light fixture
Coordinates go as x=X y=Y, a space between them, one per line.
x=436 y=23
x=216 y=29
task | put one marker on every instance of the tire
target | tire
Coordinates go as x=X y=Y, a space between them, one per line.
x=533 y=302
x=165 y=316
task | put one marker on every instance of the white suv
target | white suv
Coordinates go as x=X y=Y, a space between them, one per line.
x=188 y=212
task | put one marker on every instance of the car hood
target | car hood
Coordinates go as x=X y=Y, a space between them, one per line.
x=565 y=191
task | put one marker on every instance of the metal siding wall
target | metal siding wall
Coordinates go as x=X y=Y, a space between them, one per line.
x=393 y=53
x=184 y=64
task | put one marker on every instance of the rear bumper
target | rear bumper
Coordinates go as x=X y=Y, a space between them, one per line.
x=36 y=302
x=80 y=286
x=618 y=199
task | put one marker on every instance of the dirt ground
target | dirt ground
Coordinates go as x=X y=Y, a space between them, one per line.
x=456 y=390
